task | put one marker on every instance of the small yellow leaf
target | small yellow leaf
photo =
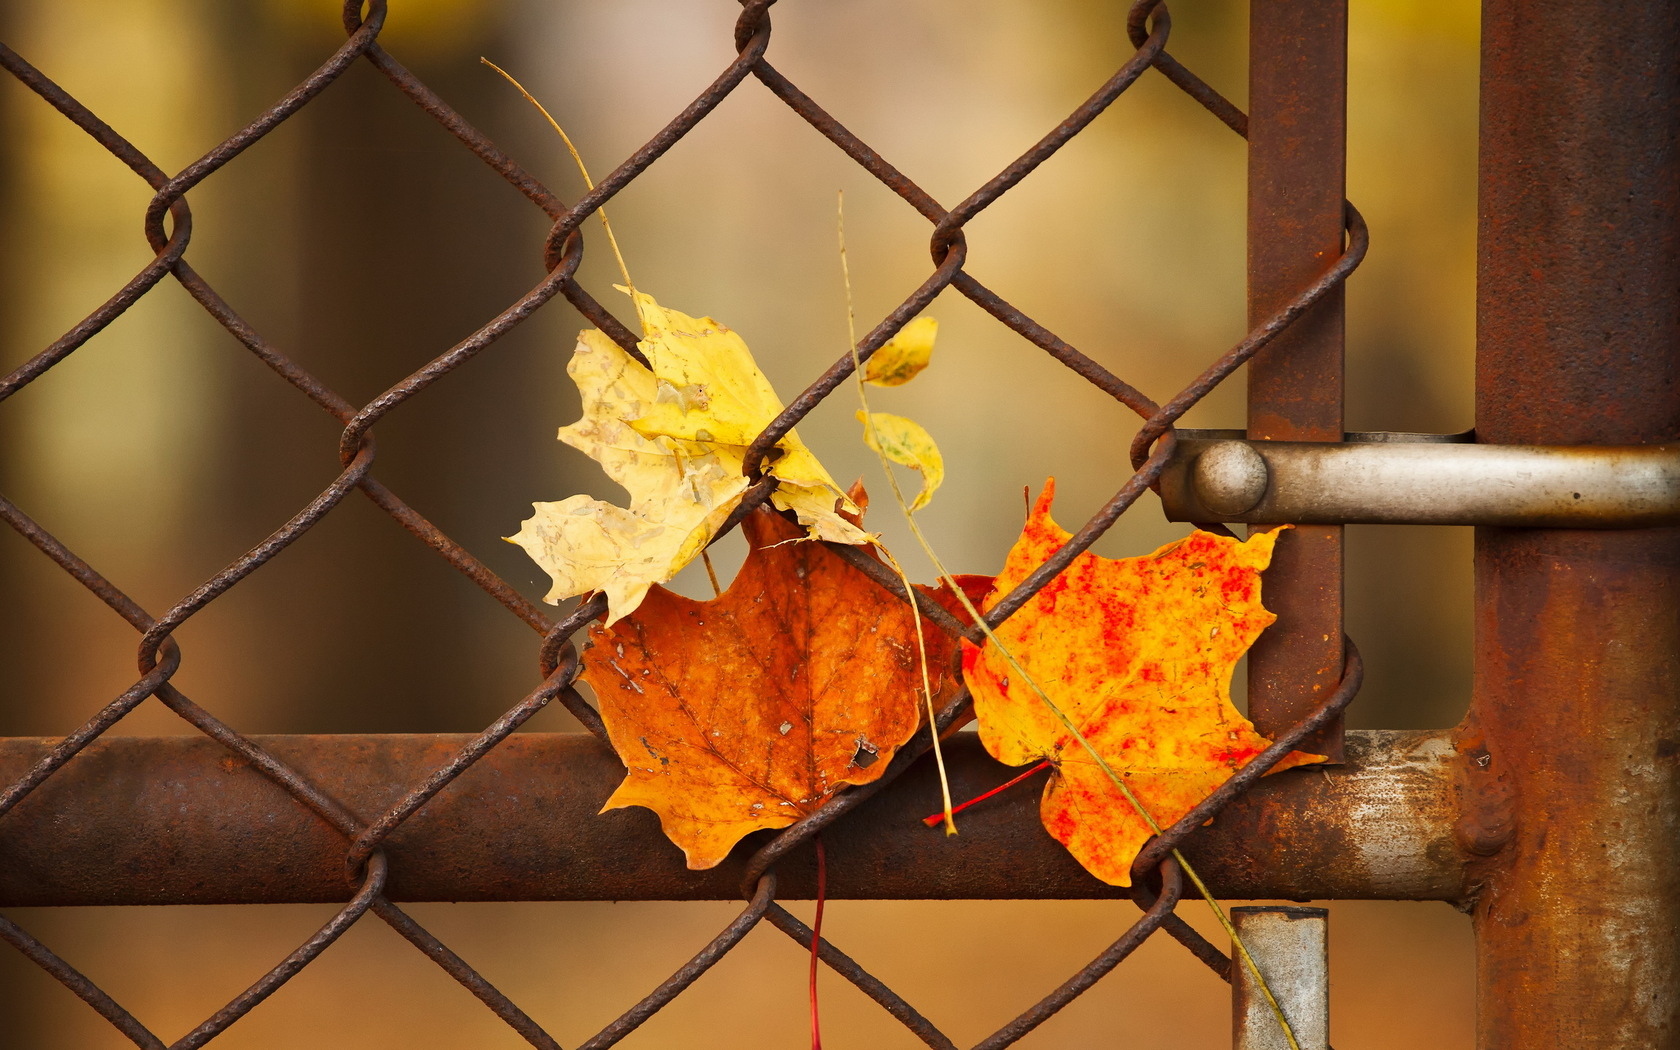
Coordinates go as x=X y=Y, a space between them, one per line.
x=904 y=441
x=904 y=355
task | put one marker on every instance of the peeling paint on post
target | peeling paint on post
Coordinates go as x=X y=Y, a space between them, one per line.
x=1291 y=948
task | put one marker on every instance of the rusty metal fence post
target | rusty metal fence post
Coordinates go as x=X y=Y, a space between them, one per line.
x=1297 y=160
x=1574 y=733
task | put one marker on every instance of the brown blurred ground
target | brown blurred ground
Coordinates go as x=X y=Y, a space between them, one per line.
x=363 y=241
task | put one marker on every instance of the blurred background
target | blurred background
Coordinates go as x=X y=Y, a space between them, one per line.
x=363 y=240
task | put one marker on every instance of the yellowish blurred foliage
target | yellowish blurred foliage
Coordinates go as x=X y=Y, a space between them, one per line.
x=418 y=28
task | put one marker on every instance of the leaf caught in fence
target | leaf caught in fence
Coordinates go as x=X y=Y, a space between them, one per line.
x=905 y=441
x=675 y=436
x=751 y=710
x=901 y=358
x=1138 y=653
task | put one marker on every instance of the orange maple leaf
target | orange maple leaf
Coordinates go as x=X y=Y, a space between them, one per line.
x=1138 y=654
x=750 y=710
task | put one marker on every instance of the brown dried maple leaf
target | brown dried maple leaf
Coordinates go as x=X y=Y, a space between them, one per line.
x=750 y=710
x=1138 y=654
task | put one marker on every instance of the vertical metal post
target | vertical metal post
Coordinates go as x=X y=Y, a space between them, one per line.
x=1297 y=136
x=1574 y=732
x=1291 y=947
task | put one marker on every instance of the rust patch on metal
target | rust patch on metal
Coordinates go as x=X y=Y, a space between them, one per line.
x=1486 y=796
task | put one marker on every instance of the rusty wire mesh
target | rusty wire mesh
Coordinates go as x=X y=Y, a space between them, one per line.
x=1158 y=879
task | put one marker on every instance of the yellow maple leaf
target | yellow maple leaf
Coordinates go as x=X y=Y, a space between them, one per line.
x=675 y=437
x=709 y=390
x=708 y=387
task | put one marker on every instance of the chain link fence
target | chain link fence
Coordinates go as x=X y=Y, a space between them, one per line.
x=1159 y=880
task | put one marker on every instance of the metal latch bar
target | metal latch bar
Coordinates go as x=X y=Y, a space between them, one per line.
x=1419 y=479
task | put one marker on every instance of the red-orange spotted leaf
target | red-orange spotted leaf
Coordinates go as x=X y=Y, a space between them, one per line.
x=750 y=710
x=1138 y=653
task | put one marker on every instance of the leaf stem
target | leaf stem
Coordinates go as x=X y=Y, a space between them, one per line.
x=711 y=573
x=624 y=271
x=816 y=937
x=934 y=820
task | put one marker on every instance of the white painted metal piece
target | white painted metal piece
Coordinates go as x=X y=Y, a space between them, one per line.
x=1291 y=947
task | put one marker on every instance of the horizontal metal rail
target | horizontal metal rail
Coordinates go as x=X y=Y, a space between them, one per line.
x=178 y=820
x=1417 y=479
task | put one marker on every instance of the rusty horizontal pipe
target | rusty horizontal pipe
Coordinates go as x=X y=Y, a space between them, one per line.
x=179 y=820
x=1217 y=476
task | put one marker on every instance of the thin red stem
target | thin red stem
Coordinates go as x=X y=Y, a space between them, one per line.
x=934 y=821
x=816 y=939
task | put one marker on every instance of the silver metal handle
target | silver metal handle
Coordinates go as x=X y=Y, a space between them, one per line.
x=1415 y=479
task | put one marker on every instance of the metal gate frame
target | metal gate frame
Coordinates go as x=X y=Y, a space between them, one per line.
x=1550 y=814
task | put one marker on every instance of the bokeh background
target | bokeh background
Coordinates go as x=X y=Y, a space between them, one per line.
x=363 y=240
